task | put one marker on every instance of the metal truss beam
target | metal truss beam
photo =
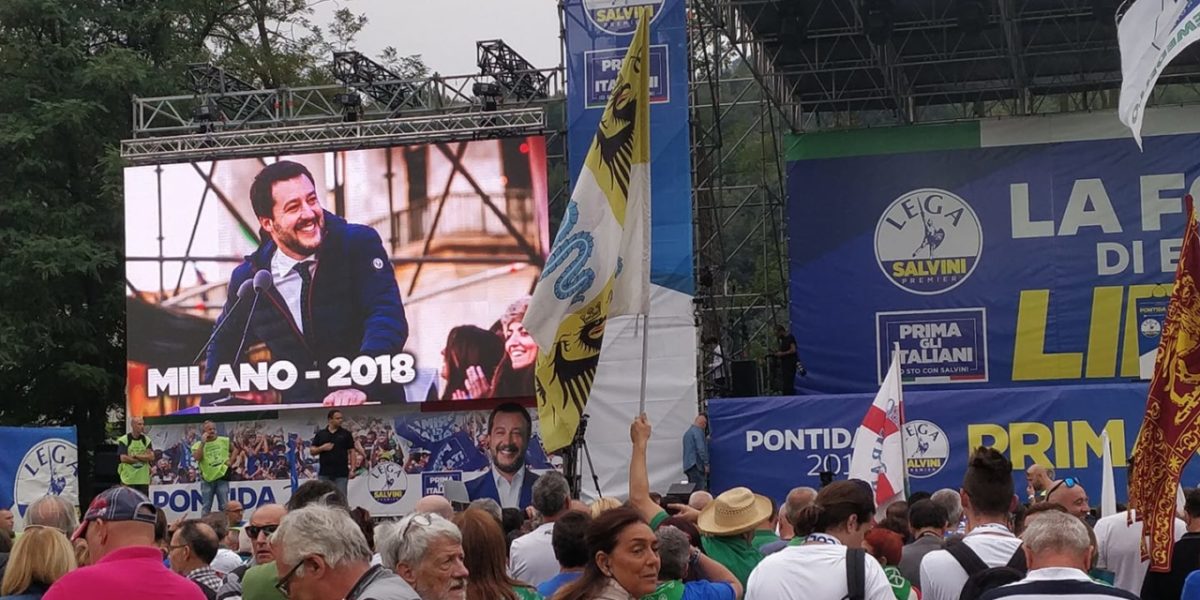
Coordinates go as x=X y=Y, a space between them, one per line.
x=285 y=107
x=336 y=136
x=515 y=74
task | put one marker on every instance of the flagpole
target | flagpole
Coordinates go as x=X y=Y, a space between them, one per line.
x=900 y=398
x=645 y=351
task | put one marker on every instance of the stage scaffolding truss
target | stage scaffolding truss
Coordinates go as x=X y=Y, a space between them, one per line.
x=763 y=68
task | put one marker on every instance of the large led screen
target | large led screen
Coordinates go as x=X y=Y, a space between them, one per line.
x=348 y=278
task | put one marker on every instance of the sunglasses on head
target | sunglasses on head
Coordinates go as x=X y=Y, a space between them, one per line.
x=1070 y=482
x=254 y=530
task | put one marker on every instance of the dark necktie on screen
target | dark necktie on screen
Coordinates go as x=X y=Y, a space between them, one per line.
x=304 y=270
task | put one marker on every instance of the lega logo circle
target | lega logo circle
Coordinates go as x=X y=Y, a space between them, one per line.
x=1151 y=328
x=49 y=468
x=619 y=17
x=926 y=447
x=378 y=264
x=387 y=482
x=928 y=241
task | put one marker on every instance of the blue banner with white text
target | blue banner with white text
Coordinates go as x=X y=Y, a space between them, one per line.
x=776 y=443
x=1003 y=266
x=597 y=34
x=37 y=461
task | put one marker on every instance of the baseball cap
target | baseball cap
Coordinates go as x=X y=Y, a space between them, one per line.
x=118 y=504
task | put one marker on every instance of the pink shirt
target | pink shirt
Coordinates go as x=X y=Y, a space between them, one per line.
x=123 y=574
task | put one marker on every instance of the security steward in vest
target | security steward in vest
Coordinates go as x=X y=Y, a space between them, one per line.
x=136 y=455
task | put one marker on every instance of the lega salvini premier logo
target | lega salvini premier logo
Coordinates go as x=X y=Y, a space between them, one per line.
x=928 y=241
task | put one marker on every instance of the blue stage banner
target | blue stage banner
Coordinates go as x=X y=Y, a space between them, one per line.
x=597 y=34
x=37 y=461
x=774 y=444
x=1002 y=266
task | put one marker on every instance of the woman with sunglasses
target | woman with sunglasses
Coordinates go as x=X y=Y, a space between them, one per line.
x=624 y=559
x=487 y=562
x=40 y=557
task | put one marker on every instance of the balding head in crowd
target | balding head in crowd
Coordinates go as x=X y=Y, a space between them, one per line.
x=434 y=504
x=52 y=511
x=1069 y=494
x=699 y=499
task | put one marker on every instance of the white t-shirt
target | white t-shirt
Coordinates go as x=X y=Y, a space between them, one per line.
x=531 y=558
x=942 y=578
x=813 y=572
x=1118 y=546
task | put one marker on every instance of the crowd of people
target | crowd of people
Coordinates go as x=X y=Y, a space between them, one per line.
x=977 y=542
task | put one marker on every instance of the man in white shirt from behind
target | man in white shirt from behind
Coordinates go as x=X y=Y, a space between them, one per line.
x=1058 y=551
x=987 y=499
x=531 y=558
x=1118 y=543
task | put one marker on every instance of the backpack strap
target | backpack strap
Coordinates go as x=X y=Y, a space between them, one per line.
x=856 y=573
x=1018 y=560
x=966 y=557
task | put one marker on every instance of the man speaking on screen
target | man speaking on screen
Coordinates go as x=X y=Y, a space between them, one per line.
x=508 y=481
x=332 y=294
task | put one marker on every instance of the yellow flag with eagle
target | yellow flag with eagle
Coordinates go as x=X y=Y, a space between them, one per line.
x=599 y=263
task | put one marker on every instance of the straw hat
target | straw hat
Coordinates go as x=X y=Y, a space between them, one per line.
x=735 y=511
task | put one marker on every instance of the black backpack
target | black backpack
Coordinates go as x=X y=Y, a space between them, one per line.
x=856 y=574
x=980 y=577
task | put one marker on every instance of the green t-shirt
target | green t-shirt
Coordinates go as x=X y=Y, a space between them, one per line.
x=215 y=462
x=137 y=473
x=900 y=586
x=667 y=590
x=763 y=537
x=527 y=593
x=734 y=552
x=657 y=520
x=259 y=583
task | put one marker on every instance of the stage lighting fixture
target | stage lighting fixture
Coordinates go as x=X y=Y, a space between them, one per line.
x=203 y=117
x=972 y=15
x=351 y=103
x=877 y=20
x=488 y=93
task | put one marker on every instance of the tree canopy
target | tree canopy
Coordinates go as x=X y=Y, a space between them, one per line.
x=68 y=69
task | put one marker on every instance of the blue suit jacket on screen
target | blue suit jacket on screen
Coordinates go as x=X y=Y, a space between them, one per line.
x=485 y=487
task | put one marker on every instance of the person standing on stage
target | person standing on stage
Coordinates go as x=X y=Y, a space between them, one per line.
x=695 y=453
x=334 y=292
x=136 y=454
x=332 y=446
x=786 y=361
x=213 y=454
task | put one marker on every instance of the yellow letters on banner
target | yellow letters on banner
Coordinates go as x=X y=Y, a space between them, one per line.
x=1069 y=445
x=1104 y=357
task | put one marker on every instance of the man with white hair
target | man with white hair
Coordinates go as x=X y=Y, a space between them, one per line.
x=320 y=553
x=1058 y=551
x=951 y=501
x=426 y=551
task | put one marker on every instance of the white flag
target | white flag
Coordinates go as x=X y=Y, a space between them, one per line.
x=599 y=264
x=878 y=457
x=1151 y=34
x=1108 y=487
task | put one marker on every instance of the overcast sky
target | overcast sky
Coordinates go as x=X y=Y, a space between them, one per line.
x=444 y=32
